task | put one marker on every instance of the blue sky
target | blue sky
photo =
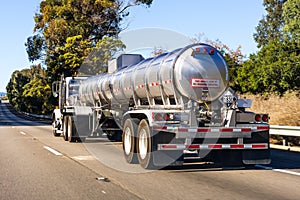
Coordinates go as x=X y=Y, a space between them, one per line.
x=231 y=21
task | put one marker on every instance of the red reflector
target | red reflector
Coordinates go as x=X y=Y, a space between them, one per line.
x=160 y=128
x=201 y=130
x=193 y=146
x=226 y=130
x=246 y=130
x=212 y=51
x=183 y=130
x=265 y=128
x=169 y=146
x=197 y=49
x=215 y=146
x=237 y=146
x=259 y=146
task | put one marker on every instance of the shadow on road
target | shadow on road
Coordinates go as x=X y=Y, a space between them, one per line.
x=10 y=117
x=283 y=159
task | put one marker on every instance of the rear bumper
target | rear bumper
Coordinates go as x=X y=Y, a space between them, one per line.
x=213 y=132
x=212 y=146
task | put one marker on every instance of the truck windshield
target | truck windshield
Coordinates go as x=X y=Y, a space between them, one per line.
x=73 y=87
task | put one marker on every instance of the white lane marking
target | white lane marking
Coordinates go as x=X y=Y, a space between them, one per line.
x=80 y=158
x=23 y=133
x=279 y=170
x=53 y=151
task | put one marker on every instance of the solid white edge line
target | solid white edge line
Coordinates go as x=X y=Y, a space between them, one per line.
x=53 y=151
x=22 y=133
x=278 y=170
x=287 y=172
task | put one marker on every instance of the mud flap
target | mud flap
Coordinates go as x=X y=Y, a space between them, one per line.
x=82 y=121
x=253 y=157
x=82 y=126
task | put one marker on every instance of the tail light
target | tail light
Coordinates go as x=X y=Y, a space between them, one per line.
x=261 y=118
x=257 y=118
x=158 y=117
x=166 y=117
x=265 y=118
x=163 y=116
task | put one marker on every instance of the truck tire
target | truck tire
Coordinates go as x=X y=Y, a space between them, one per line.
x=54 y=128
x=145 y=146
x=129 y=140
x=65 y=128
x=54 y=131
x=71 y=130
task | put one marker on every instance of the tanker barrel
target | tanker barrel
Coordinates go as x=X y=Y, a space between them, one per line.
x=197 y=72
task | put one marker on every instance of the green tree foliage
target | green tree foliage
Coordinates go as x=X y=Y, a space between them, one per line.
x=291 y=16
x=71 y=55
x=98 y=58
x=34 y=47
x=29 y=91
x=276 y=67
x=67 y=35
x=60 y=23
x=270 y=27
x=15 y=88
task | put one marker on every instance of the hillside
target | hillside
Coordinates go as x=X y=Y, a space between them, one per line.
x=283 y=110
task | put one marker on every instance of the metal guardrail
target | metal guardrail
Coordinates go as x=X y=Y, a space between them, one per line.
x=38 y=116
x=285 y=130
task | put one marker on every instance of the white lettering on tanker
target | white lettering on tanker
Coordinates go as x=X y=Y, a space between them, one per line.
x=205 y=83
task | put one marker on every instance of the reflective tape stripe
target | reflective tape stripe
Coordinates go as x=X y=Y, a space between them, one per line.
x=211 y=146
x=211 y=130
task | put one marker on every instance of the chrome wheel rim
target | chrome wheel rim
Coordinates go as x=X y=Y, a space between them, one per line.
x=127 y=141
x=143 y=144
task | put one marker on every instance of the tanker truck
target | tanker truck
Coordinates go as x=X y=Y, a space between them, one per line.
x=163 y=107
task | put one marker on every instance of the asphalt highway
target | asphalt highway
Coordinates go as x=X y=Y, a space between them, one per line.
x=37 y=165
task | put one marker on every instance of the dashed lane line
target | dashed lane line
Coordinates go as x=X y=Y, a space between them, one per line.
x=278 y=170
x=52 y=151
x=23 y=133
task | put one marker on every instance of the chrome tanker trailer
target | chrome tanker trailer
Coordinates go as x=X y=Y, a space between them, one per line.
x=164 y=106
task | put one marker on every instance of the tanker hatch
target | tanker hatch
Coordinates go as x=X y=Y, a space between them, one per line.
x=123 y=60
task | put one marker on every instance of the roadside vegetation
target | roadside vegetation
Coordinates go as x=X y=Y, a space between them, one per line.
x=66 y=32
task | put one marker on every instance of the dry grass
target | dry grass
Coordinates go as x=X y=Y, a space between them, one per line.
x=283 y=110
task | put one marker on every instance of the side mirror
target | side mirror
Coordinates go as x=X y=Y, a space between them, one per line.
x=55 y=88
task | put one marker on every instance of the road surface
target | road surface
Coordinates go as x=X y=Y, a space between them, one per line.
x=37 y=165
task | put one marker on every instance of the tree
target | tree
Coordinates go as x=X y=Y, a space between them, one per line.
x=58 y=21
x=291 y=16
x=15 y=88
x=274 y=69
x=37 y=94
x=97 y=60
x=270 y=27
x=29 y=91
